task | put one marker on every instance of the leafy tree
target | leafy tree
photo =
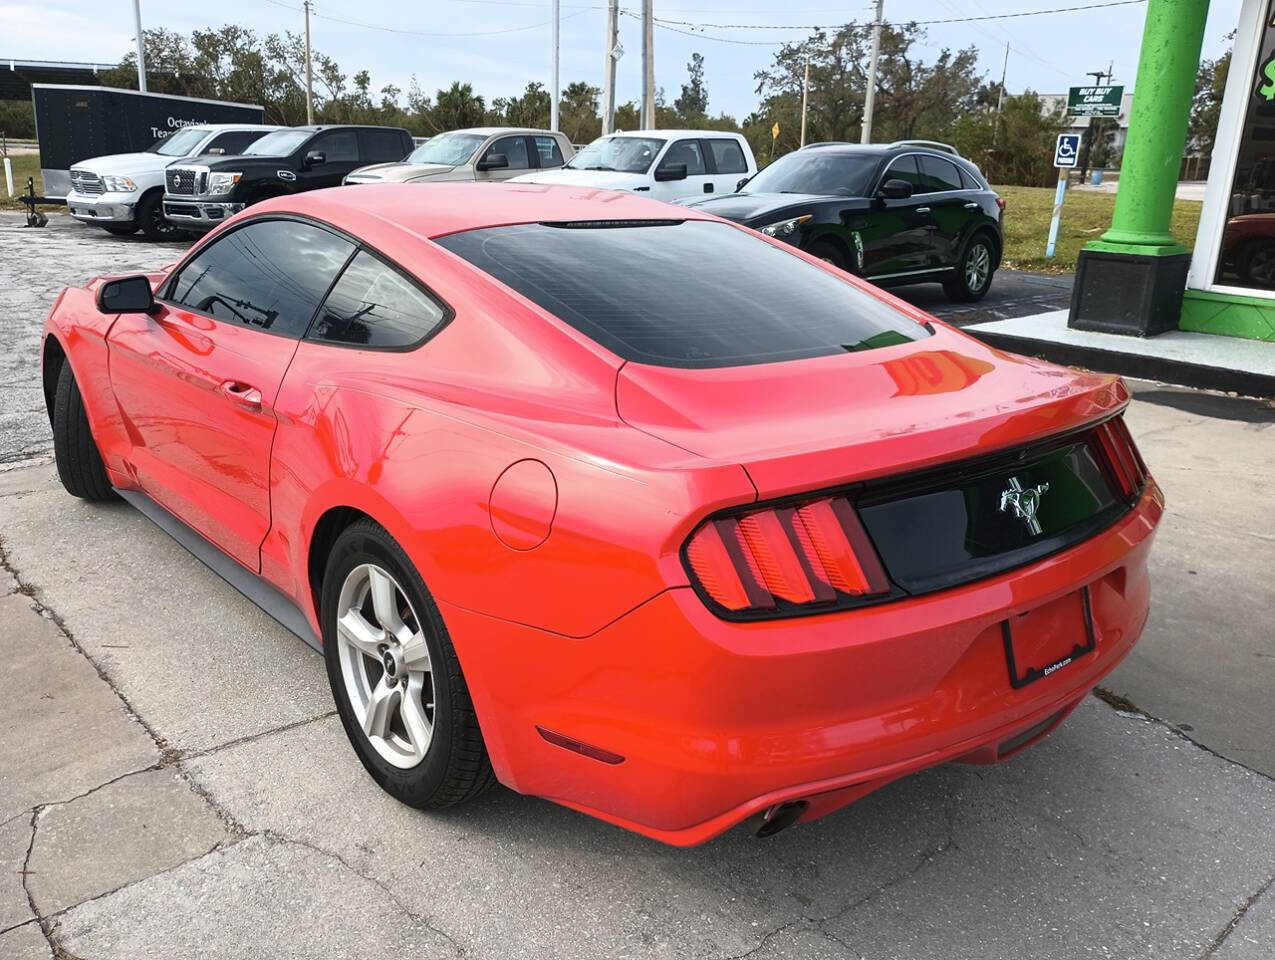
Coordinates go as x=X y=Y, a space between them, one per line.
x=1210 y=83
x=532 y=109
x=1015 y=147
x=456 y=107
x=578 y=115
x=692 y=105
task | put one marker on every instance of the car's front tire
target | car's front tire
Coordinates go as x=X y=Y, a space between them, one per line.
x=395 y=675
x=79 y=463
x=828 y=252
x=973 y=277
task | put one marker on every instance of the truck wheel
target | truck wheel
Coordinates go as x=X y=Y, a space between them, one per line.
x=79 y=463
x=150 y=216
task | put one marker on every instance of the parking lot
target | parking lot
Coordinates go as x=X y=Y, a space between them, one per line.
x=174 y=782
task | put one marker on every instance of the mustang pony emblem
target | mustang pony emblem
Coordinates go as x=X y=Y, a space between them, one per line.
x=1024 y=500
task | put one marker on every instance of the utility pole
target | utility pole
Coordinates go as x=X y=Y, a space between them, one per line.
x=141 y=47
x=648 y=65
x=553 y=107
x=1087 y=146
x=309 y=70
x=1000 y=95
x=870 y=95
x=805 y=89
x=608 y=71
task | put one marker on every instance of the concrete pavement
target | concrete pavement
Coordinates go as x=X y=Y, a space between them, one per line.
x=173 y=782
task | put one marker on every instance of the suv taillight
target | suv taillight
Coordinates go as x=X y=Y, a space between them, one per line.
x=796 y=557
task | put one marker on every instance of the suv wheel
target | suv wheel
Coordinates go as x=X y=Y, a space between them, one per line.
x=974 y=271
x=395 y=675
x=78 y=461
x=150 y=217
x=828 y=252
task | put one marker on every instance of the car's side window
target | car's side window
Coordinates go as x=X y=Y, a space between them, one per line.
x=728 y=156
x=939 y=174
x=374 y=305
x=689 y=153
x=233 y=142
x=515 y=151
x=380 y=146
x=270 y=274
x=968 y=182
x=905 y=168
x=549 y=151
x=339 y=146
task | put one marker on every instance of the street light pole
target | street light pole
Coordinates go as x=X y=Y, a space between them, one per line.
x=870 y=95
x=141 y=46
x=805 y=89
x=309 y=70
x=648 y=65
x=553 y=107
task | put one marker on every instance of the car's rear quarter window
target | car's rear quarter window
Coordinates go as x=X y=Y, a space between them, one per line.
x=684 y=294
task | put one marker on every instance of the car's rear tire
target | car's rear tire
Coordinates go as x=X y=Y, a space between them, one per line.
x=395 y=676
x=974 y=270
x=150 y=217
x=78 y=461
x=120 y=231
x=1257 y=264
x=828 y=252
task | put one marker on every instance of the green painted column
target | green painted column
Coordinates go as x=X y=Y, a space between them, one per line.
x=1158 y=119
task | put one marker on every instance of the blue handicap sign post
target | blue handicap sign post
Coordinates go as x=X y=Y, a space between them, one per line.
x=1066 y=156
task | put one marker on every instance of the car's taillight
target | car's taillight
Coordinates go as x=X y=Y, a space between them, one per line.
x=1000 y=202
x=1122 y=454
x=789 y=558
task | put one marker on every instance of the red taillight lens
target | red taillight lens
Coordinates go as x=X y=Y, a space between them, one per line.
x=1123 y=457
x=802 y=555
x=1000 y=202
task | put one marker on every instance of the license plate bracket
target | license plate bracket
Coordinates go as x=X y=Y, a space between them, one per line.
x=1044 y=633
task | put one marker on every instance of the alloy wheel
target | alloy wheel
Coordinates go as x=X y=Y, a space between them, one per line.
x=1261 y=266
x=385 y=665
x=978 y=266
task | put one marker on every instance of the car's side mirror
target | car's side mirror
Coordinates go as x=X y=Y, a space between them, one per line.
x=896 y=189
x=740 y=186
x=493 y=161
x=126 y=295
x=315 y=158
x=671 y=171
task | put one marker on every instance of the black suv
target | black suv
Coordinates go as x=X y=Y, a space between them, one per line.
x=200 y=192
x=907 y=212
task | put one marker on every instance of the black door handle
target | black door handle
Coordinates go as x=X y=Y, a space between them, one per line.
x=708 y=188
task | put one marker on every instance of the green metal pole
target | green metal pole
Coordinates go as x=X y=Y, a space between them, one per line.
x=1171 y=42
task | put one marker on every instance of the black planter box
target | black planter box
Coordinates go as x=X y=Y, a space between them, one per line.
x=1136 y=295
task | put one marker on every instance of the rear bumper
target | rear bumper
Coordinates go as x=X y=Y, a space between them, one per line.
x=113 y=209
x=193 y=213
x=718 y=721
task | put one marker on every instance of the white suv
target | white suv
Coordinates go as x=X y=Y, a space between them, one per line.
x=666 y=164
x=124 y=192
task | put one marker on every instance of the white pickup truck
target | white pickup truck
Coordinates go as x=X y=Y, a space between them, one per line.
x=664 y=164
x=124 y=192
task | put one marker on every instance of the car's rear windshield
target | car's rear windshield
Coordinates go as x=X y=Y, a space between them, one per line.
x=684 y=293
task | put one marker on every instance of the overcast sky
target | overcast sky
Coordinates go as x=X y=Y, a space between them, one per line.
x=1047 y=53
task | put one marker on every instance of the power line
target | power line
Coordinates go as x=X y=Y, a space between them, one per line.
x=423 y=33
x=919 y=23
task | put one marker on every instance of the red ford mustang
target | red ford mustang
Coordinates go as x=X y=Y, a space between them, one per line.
x=613 y=502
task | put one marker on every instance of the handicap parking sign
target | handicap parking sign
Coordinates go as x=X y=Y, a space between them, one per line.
x=1067 y=150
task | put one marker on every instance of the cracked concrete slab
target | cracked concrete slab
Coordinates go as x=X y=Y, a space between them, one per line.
x=1206 y=660
x=261 y=897
x=1109 y=840
x=15 y=838
x=1251 y=936
x=162 y=627
x=25 y=943
x=122 y=833
x=1111 y=822
x=66 y=730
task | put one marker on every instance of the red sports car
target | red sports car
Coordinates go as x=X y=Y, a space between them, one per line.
x=613 y=502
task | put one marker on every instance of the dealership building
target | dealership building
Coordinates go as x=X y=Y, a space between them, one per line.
x=1142 y=303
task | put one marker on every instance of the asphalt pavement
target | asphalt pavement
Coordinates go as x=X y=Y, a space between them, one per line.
x=173 y=782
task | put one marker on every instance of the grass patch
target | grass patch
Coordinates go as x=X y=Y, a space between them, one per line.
x=1085 y=217
x=24 y=165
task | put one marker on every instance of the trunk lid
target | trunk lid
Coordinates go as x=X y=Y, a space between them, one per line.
x=810 y=424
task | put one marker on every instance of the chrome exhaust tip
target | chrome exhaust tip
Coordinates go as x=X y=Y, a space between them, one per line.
x=779 y=817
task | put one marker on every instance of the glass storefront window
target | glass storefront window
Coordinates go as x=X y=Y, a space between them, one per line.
x=1248 y=240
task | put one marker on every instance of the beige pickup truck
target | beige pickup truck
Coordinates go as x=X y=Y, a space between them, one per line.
x=479 y=153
